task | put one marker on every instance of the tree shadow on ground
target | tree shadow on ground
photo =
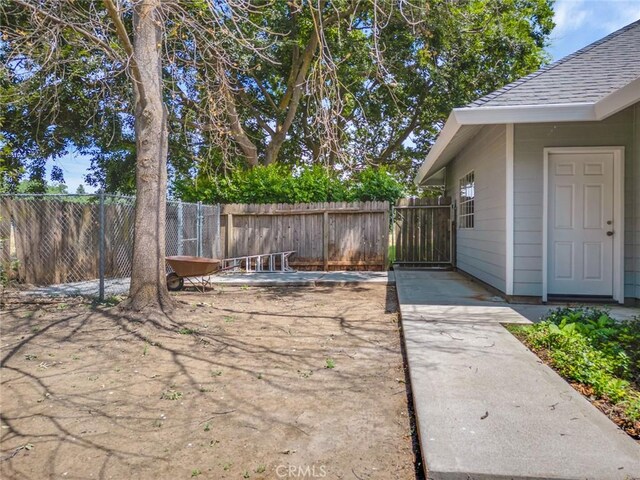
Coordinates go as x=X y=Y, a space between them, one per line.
x=95 y=393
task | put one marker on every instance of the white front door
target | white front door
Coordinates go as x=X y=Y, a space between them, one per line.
x=580 y=223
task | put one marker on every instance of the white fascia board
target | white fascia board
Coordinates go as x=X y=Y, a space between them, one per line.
x=571 y=112
x=447 y=133
x=618 y=100
x=561 y=112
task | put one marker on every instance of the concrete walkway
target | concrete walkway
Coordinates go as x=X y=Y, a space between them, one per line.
x=486 y=407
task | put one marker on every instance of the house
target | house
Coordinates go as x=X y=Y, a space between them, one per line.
x=545 y=177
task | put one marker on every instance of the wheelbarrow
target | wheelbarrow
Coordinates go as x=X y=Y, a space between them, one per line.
x=187 y=268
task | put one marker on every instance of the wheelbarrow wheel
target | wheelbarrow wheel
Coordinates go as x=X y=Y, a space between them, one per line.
x=174 y=282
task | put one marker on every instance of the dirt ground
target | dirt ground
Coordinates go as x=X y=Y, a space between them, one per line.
x=257 y=383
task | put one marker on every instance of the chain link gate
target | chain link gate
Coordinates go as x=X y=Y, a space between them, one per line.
x=423 y=232
x=70 y=239
x=193 y=229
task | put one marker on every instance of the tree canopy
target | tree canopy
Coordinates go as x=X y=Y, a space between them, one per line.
x=343 y=84
x=216 y=86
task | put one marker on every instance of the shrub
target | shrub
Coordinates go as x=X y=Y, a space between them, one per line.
x=376 y=184
x=280 y=184
x=588 y=346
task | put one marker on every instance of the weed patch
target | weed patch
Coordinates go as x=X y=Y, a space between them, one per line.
x=171 y=395
x=187 y=331
x=598 y=354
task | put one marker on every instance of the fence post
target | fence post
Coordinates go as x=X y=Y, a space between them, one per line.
x=217 y=240
x=385 y=231
x=180 y=228
x=101 y=247
x=325 y=241
x=229 y=235
x=392 y=226
x=199 y=229
x=5 y=238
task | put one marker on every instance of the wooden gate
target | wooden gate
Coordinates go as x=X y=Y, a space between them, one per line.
x=423 y=232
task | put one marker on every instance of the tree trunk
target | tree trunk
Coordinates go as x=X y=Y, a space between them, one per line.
x=148 y=291
x=273 y=150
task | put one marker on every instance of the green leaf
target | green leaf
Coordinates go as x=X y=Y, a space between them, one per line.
x=554 y=329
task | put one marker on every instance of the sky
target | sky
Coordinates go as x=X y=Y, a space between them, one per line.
x=578 y=23
x=74 y=168
x=581 y=22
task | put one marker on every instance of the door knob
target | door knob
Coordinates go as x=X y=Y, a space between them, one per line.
x=610 y=234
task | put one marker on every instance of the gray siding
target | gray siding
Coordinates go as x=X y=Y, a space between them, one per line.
x=481 y=250
x=529 y=142
x=633 y=190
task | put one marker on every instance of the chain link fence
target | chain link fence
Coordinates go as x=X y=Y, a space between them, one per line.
x=83 y=244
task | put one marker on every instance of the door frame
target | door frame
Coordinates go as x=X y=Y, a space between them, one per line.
x=618 y=215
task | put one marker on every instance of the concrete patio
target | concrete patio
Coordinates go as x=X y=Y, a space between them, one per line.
x=488 y=408
x=120 y=286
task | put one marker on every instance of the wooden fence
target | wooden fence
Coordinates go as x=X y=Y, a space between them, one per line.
x=55 y=240
x=51 y=239
x=325 y=236
x=423 y=231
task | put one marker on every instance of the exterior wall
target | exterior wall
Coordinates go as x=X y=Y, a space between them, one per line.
x=633 y=190
x=529 y=141
x=481 y=250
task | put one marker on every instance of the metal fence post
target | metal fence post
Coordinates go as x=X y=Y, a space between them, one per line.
x=180 y=228
x=101 y=248
x=199 y=229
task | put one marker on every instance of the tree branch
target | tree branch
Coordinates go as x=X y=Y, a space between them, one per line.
x=123 y=36
x=121 y=30
x=404 y=133
x=85 y=33
x=248 y=102
x=265 y=92
x=298 y=74
x=304 y=62
x=239 y=135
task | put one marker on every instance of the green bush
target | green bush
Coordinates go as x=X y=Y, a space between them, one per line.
x=280 y=184
x=375 y=184
x=588 y=346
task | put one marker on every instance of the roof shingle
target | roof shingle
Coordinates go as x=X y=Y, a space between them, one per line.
x=585 y=76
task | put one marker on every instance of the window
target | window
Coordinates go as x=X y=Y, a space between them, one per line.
x=466 y=206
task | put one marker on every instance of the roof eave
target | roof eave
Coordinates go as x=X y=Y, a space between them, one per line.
x=570 y=112
x=498 y=115
x=618 y=100
x=447 y=133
